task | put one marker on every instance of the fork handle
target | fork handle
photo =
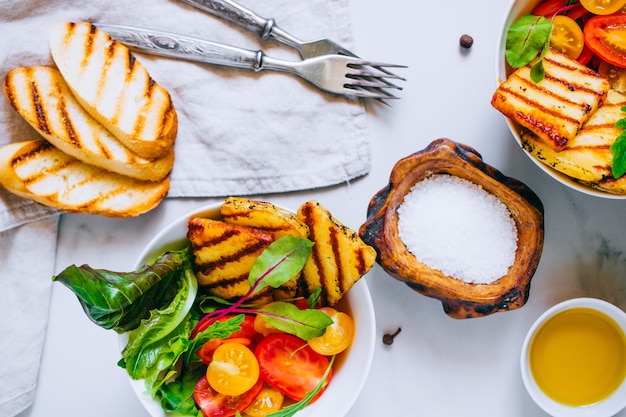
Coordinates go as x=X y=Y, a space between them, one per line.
x=245 y=18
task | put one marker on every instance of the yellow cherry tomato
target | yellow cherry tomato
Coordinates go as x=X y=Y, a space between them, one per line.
x=338 y=336
x=603 y=6
x=567 y=36
x=616 y=76
x=267 y=402
x=233 y=370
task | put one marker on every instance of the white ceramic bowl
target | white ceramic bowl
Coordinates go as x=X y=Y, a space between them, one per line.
x=605 y=408
x=516 y=9
x=351 y=367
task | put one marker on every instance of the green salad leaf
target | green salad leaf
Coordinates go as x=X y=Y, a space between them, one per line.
x=119 y=301
x=618 y=148
x=528 y=39
x=306 y=324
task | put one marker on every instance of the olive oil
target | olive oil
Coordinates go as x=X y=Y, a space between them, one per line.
x=578 y=357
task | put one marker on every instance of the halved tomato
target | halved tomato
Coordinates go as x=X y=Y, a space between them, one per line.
x=606 y=36
x=214 y=404
x=337 y=337
x=288 y=364
x=267 y=402
x=567 y=36
x=233 y=370
x=603 y=7
x=615 y=75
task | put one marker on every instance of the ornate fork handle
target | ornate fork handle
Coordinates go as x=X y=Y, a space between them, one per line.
x=245 y=18
x=182 y=47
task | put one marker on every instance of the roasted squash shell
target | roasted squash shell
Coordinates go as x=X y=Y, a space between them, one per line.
x=460 y=299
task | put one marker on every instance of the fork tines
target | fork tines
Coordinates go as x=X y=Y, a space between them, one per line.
x=371 y=80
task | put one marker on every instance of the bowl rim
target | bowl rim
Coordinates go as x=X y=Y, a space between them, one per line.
x=513 y=11
x=607 y=407
x=345 y=387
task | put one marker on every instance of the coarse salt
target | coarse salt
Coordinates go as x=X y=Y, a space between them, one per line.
x=453 y=225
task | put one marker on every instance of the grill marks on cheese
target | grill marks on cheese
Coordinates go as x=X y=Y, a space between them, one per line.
x=41 y=96
x=115 y=88
x=557 y=107
x=39 y=171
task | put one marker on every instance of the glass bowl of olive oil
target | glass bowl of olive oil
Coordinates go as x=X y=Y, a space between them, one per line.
x=573 y=359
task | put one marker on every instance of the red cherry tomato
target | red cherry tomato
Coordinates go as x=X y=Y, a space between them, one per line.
x=288 y=364
x=606 y=37
x=548 y=8
x=246 y=335
x=213 y=404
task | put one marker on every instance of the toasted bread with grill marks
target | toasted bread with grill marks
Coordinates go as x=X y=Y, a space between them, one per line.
x=555 y=108
x=587 y=157
x=271 y=219
x=115 y=88
x=223 y=256
x=339 y=257
x=38 y=171
x=41 y=96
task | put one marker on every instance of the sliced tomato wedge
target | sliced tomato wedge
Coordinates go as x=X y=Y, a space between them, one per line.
x=246 y=335
x=214 y=404
x=606 y=37
x=288 y=364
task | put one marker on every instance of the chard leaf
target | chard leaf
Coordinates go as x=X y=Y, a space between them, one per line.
x=118 y=301
x=279 y=262
x=618 y=148
x=217 y=330
x=306 y=324
x=526 y=38
x=162 y=338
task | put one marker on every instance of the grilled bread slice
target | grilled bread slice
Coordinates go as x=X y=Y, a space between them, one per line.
x=223 y=256
x=115 y=88
x=41 y=96
x=339 y=257
x=555 y=108
x=271 y=219
x=587 y=157
x=38 y=171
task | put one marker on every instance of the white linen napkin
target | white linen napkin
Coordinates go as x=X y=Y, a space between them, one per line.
x=240 y=133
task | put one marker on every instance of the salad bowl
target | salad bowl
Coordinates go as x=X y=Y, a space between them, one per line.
x=515 y=10
x=351 y=367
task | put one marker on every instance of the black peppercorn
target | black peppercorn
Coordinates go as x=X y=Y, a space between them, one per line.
x=466 y=41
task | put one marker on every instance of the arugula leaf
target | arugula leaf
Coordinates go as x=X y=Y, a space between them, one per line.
x=306 y=324
x=618 y=148
x=279 y=262
x=526 y=38
x=119 y=301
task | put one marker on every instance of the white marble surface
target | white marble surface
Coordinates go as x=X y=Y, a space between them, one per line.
x=437 y=366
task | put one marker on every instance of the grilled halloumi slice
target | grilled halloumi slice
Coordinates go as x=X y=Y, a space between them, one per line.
x=555 y=108
x=115 y=88
x=40 y=95
x=271 y=219
x=339 y=257
x=587 y=157
x=38 y=171
x=223 y=256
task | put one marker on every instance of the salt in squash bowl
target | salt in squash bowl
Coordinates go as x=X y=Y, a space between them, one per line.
x=460 y=299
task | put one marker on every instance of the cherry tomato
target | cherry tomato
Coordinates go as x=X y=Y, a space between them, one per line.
x=606 y=36
x=338 y=336
x=246 y=335
x=263 y=327
x=567 y=36
x=615 y=75
x=288 y=364
x=548 y=8
x=233 y=370
x=603 y=7
x=585 y=56
x=214 y=404
x=268 y=401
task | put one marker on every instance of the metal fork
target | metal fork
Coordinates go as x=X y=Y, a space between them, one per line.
x=267 y=28
x=337 y=74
